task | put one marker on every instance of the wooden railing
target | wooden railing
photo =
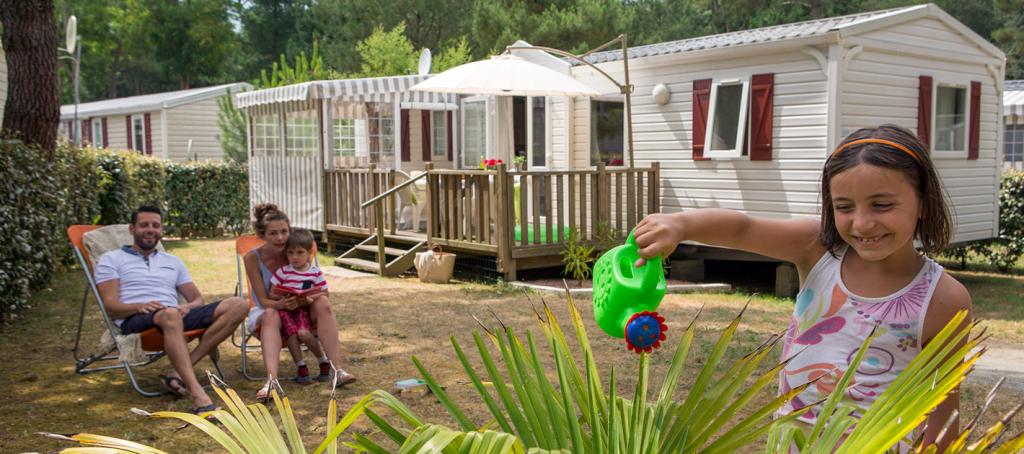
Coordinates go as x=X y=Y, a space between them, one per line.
x=345 y=190
x=513 y=215
x=477 y=210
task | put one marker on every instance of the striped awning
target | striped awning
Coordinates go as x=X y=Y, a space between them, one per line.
x=375 y=89
x=1013 y=102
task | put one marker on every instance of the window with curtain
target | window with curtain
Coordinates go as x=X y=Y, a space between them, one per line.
x=439 y=133
x=607 y=132
x=139 y=134
x=381 y=132
x=1013 y=143
x=950 y=118
x=97 y=133
x=266 y=137
x=300 y=134
x=538 y=131
x=727 y=119
x=344 y=137
x=474 y=124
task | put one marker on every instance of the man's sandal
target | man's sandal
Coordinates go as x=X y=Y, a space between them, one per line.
x=175 y=385
x=204 y=409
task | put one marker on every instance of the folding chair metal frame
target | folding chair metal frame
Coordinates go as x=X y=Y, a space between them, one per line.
x=82 y=363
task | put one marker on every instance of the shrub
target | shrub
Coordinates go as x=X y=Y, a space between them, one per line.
x=576 y=257
x=1005 y=250
x=207 y=199
x=40 y=197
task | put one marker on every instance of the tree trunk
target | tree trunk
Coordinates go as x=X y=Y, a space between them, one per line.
x=30 y=43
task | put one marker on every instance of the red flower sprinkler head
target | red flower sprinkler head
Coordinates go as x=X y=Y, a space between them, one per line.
x=645 y=331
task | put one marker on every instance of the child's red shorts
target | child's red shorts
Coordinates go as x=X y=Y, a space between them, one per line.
x=294 y=321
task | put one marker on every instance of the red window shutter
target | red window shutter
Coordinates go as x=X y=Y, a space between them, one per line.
x=88 y=130
x=406 y=151
x=451 y=138
x=924 y=110
x=974 y=136
x=428 y=147
x=103 y=124
x=128 y=126
x=762 y=90
x=701 y=101
x=149 y=137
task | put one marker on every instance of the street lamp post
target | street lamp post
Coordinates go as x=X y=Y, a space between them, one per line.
x=73 y=42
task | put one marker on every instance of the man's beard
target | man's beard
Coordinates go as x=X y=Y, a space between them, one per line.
x=141 y=243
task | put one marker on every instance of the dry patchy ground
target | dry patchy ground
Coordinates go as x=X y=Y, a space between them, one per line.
x=384 y=322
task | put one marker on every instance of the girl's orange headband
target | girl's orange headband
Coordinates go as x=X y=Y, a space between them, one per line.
x=881 y=141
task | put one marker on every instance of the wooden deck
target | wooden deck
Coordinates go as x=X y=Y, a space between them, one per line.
x=475 y=212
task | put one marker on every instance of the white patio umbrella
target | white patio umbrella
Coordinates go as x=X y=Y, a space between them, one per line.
x=504 y=75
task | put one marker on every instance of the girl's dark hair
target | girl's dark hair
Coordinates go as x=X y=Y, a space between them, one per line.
x=264 y=214
x=934 y=228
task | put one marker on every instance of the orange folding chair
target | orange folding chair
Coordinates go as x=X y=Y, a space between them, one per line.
x=152 y=339
x=243 y=289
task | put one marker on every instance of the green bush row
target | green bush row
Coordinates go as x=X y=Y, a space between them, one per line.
x=40 y=197
x=1005 y=251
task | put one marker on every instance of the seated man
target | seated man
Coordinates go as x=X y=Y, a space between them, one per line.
x=140 y=287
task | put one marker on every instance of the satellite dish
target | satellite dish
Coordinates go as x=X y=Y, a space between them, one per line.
x=70 y=34
x=424 y=66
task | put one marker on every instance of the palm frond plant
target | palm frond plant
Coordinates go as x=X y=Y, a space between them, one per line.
x=570 y=409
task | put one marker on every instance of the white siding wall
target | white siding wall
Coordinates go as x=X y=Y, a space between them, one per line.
x=883 y=88
x=154 y=133
x=785 y=187
x=196 y=121
x=559 y=131
x=117 y=134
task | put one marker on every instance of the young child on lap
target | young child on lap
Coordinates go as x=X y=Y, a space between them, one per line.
x=304 y=280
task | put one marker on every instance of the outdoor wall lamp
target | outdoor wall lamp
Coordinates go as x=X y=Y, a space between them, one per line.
x=661 y=94
x=625 y=88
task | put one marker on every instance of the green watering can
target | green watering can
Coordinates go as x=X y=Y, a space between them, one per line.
x=626 y=297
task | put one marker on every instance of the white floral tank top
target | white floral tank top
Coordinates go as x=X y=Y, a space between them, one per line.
x=829 y=325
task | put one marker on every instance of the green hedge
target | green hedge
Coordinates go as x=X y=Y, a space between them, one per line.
x=40 y=197
x=1005 y=251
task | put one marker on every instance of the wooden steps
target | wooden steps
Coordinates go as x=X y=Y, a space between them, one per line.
x=399 y=253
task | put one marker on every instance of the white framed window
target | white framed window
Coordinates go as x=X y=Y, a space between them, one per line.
x=1013 y=143
x=266 y=138
x=539 y=129
x=607 y=132
x=474 y=131
x=727 y=118
x=439 y=134
x=97 y=133
x=949 y=118
x=139 y=134
x=381 y=132
x=301 y=138
x=344 y=137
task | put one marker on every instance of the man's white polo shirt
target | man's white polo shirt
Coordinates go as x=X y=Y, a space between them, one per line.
x=143 y=279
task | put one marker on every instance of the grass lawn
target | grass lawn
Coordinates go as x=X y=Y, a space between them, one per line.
x=383 y=323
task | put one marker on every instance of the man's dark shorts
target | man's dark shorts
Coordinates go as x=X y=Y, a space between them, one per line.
x=198 y=318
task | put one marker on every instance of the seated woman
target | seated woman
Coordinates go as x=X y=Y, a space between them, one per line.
x=272 y=226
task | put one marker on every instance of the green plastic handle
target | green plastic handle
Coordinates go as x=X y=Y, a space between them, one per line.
x=651 y=269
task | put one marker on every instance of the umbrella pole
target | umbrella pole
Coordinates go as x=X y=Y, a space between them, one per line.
x=627 y=90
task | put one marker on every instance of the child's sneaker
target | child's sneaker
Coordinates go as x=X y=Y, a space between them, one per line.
x=303 y=376
x=325 y=372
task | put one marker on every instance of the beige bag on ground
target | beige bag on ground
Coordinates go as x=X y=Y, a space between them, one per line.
x=435 y=266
